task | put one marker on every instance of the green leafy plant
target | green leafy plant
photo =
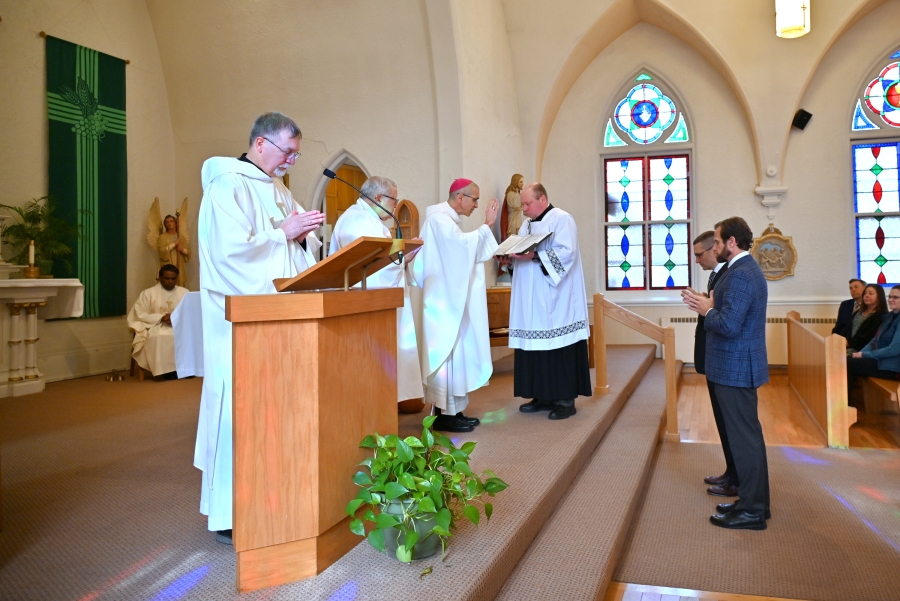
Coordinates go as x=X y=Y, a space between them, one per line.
x=429 y=481
x=36 y=221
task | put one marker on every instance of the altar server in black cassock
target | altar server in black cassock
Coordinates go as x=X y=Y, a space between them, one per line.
x=548 y=322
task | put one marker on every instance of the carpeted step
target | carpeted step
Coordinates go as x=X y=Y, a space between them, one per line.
x=576 y=552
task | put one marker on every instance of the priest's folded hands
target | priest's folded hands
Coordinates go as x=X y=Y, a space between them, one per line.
x=296 y=226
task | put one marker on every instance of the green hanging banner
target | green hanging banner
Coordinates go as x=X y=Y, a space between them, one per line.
x=89 y=169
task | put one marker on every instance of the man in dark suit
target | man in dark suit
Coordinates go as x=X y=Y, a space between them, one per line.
x=724 y=485
x=737 y=364
x=849 y=306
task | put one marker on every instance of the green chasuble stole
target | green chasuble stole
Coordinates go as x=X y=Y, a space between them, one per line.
x=88 y=168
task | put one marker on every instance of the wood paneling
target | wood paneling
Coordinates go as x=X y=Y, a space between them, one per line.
x=309 y=305
x=339 y=196
x=817 y=371
x=306 y=391
x=408 y=215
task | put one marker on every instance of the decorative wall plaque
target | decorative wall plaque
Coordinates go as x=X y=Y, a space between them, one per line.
x=775 y=253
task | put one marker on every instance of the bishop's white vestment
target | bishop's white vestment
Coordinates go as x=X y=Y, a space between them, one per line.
x=456 y=349
x=361 y=220
x=241 y=251
x=548 y=317
x=153 y=346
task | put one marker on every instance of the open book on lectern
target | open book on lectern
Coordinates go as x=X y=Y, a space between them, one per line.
x=517 y=245
x=348 y=266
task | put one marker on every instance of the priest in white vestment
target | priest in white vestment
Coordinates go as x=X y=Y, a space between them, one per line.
x=153 y=346
x=548 y=320
x=456 y=350
x=365 y=218
x=250 y=232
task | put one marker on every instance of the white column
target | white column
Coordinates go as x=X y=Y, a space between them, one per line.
x=16 y=352
x=31 y=338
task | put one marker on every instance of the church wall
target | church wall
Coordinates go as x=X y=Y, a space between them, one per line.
x=492 y=146
x=121 y=28
x=817 y=209
x=355 y=76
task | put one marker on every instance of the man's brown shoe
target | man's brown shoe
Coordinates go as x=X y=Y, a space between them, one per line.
x=723 y=490
x=716 y=479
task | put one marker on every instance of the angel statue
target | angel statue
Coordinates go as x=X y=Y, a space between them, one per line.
x=169 y=238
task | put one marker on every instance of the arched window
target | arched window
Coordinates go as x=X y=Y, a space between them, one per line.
x=876 y=203
x=647 y=191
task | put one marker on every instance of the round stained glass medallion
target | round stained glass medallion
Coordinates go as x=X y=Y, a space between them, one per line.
x=883 y=95
x=645 y=113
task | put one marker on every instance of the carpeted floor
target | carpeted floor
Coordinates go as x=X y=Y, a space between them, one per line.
x=101 y=498
x=834 y=533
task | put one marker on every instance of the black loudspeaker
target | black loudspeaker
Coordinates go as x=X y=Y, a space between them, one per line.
x=801 y=118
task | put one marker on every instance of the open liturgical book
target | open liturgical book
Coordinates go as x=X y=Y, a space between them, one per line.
x=517 y=245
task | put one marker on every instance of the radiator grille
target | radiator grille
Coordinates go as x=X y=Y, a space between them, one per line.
x=672 y=320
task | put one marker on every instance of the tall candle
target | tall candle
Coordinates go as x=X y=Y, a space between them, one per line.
x=31 y=253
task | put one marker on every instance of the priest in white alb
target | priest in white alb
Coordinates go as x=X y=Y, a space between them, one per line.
x=366 y=218
x=548 y=321
x=456 y=350
x=153 y=346
x=250 y=232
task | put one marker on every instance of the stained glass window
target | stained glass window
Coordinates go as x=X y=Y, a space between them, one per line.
x=877 y=207
x=644 y=115
x=647 y=222
x=882 y=97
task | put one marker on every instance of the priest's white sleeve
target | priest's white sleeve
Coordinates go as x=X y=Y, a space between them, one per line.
x=559 y=257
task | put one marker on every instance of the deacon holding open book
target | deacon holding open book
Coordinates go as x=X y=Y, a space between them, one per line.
x=456 y=349
x=548 y=321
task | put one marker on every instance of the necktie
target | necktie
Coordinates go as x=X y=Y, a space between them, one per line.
x=715 y=278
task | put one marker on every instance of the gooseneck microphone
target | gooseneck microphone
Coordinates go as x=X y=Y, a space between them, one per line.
x=331 y=174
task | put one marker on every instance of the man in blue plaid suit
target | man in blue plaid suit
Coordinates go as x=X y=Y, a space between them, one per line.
x=736 y=363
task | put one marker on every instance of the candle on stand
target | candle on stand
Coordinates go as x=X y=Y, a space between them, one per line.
x=31 y=253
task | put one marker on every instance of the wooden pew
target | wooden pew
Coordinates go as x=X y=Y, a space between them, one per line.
x=817 y=372
x=880 y=395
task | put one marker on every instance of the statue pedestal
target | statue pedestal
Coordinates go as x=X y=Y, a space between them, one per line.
x=7 y=268
x=27 y=301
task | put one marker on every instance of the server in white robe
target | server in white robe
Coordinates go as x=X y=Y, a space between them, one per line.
x=250 y=231
x=548 y=321
x=153 y=346
x=456 y=350
x=366 y=219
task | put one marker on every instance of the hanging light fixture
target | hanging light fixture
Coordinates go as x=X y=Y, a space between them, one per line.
x=791 y=18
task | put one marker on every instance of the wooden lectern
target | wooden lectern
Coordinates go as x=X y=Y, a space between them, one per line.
x=314 y=372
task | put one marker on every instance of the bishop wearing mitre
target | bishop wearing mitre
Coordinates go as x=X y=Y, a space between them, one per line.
x=367 y=218
x=456 y=349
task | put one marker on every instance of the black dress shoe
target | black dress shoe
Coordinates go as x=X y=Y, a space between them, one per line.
x=716 y=479
x=535 y=405
x=451 y=423
x=562 y=412
x=224 y=537
x=469 y=420
x=723 y=490
x=723 y=508
x=739 y=520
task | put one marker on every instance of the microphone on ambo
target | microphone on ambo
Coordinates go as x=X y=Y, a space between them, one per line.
x=332 y=175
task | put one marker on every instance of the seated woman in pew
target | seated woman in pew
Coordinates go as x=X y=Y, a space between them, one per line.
x=880 y=358
x=862 y=327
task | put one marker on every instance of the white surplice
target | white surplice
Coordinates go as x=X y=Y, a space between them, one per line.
x=549 y=311
x=153 y=346
x=361 y=220
x=456 y=349
x=241 y=252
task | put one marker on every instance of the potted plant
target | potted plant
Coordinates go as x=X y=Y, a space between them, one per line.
x=37 y=222
x=420 y=487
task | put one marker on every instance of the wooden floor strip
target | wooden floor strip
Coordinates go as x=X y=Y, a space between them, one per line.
x=784 y=420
